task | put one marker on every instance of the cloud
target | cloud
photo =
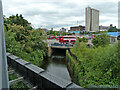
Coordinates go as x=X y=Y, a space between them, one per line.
x=63 y=13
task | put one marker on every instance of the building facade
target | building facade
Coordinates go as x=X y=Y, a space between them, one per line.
x=119 y=15
x=77 y=28
x=92 y=20
x=44 y=30
x=104 y=28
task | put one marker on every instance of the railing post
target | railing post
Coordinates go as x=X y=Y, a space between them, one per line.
x=4 y=82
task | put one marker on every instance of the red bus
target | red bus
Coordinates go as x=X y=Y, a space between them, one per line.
x=51 y=37
x=67 y=39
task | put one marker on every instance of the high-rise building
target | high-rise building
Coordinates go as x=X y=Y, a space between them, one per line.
x=92 y=20
x=119 y=15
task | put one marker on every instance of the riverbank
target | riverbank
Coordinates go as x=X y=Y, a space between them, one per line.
x=95 y=66
x=72 y=67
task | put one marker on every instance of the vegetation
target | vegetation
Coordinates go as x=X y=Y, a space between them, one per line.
x=83 y=39
x=101 y=40
x=113 y=29
x=64 y=33
x=19 y=85
x=18 y=20
x=23 y=42
x=51 y=32
x=16 y=85
x=96 y=66
x=12 y=77
x=56 y=33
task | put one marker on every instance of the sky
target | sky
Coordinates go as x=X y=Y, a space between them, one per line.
x=61 y=13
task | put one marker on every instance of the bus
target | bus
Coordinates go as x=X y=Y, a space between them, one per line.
x=51 y=37
x=67 y=39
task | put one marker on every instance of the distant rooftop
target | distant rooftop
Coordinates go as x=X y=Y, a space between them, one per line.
x=112 y=33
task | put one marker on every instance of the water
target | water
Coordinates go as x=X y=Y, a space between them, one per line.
x=57 y=66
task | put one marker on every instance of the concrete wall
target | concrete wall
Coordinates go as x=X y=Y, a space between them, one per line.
x=50 y=51
x=38 y=76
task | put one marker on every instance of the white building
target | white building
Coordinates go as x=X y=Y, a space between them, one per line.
x=92 y=20
x=104 y=28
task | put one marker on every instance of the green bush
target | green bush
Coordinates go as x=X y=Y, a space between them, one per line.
x=99 y=66
x=84 y=39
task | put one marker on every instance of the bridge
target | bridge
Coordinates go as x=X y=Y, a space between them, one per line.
x=61 y=47
x=55 y=45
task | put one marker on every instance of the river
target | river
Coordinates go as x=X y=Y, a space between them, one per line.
x=57 y=65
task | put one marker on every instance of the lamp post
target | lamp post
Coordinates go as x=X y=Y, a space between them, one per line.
x=91 y=35
x=4 y=82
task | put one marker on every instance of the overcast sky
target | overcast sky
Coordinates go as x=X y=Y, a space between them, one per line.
x=64 y=13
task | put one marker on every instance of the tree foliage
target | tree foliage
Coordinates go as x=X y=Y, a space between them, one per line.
x=51 y=32
x=64 y=33
x=27 y=44
x=18 y=20
x=83 y=39
x=112 y=29
x=101 y=40
x=56 y=33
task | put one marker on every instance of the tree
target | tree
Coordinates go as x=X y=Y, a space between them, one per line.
x=80 y=40
x=63 y=33
x=56 y=33
x=51 y=32
x=84 y=39
x=112 y=29
x=77 y=44
x=12 y=46
x=18 y=20
x=101 y=40
x=20 y=32
x=36 y=42
x=26 y=44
